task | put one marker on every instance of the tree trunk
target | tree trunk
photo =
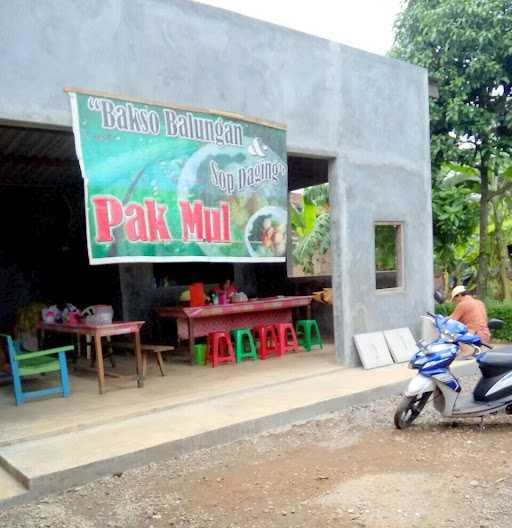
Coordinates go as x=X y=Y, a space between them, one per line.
x=502 y=253
x=483 y=258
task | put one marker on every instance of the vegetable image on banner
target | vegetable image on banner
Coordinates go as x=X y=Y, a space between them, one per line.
x=173 y=184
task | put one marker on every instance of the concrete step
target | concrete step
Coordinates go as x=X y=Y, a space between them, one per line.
x=55 y=463
x=70 y=459
x=10 y=487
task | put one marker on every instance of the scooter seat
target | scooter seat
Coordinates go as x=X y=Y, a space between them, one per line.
x=502 y=359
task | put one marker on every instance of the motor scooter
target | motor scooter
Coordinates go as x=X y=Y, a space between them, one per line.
x=492 y=393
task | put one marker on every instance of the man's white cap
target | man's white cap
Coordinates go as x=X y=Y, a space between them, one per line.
x=457 y=291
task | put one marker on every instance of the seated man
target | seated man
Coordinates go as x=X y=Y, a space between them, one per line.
x=471 y=312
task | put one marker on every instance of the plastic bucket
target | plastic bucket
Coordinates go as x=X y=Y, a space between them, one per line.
x=200 y=351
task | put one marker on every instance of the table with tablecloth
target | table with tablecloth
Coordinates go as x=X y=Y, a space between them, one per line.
x=199 y=321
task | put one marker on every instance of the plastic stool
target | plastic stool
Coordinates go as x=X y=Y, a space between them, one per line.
x=267 y=341
x=244 y=344
x=220 y=349
x=308 y=334
x=286 y=338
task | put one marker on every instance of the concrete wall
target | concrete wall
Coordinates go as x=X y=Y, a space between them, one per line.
x=169 y=50
x=368 y=113
x=381 y=173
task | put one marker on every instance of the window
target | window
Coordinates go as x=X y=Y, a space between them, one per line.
x=388 y=255
x=310 y=232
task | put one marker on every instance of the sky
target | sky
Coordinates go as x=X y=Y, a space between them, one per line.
x=363 y=24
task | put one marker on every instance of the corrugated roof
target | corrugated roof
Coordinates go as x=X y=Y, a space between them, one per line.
x=31 y=156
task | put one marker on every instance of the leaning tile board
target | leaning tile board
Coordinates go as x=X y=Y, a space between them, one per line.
x=373 y=350
x=401 y=344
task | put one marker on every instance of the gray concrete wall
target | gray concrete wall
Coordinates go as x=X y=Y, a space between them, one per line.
x=383 y=170
x=367 y=112
x=168 y=50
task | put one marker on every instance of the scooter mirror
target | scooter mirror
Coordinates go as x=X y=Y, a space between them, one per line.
x=495 y=324
x=439 y=297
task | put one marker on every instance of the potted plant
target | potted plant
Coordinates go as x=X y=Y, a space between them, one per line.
x=27 y=318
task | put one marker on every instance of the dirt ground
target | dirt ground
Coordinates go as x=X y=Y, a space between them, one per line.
x=349 y=469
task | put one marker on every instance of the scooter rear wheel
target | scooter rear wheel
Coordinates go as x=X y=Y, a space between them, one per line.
x=409 y=409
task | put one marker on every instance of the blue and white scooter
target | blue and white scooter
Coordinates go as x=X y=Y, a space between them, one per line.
x=493 y=392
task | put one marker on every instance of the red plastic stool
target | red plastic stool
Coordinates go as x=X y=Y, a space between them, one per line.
x=267 y=341
x=220 y=349
x=286 y=338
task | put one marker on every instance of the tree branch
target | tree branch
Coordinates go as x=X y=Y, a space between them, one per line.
x=501 y=190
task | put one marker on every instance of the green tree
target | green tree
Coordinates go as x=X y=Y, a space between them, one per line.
x=467 y=48
x=455 y=217
x=458 y=180
x=311 y=224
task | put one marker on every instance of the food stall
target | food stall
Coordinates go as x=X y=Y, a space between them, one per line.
x=187 y=186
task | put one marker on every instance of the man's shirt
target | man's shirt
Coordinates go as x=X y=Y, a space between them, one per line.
x=472 y=313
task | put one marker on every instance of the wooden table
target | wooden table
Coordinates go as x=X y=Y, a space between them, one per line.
x=199 y=321
x=97 y=332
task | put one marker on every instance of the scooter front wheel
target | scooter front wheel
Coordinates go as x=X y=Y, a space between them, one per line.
x=409 y=409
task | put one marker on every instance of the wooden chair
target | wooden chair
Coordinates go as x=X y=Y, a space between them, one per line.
x=25 y=364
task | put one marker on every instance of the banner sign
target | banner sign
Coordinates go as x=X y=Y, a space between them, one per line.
x=167 y=184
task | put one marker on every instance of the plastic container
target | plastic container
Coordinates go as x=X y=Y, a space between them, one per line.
x=239 y=297
x=196 y=294
x=102 y=314
x=73 y=318
x=48 y=315
x=200 y=353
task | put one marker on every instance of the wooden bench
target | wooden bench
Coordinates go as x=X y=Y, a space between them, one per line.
x=157 y=350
